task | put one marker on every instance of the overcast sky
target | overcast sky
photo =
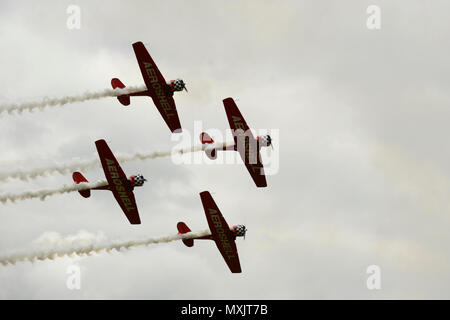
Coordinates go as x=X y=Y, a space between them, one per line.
x=363 y=148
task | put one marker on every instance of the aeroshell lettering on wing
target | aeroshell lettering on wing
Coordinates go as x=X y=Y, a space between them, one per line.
x=222 y=234
x=158 y=89
x=118 y=184
x=250 y=149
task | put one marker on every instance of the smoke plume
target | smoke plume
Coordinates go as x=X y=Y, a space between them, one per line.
x=57 y=102
x=42 y=194
x=80 y=165
x=52 y=245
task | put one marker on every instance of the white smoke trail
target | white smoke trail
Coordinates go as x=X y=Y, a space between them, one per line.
x=52 y=245
x=69 y=167
x=42 y=194
x=54 y=102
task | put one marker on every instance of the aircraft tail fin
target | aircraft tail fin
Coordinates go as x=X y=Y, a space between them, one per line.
x=182 y=229
x=123 y=99
x=79 y=178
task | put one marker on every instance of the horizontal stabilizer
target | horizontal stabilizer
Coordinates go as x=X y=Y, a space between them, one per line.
x=79 y=178
x=182 y=229
x=205 y=138
x=210 y=149
x=123 y=99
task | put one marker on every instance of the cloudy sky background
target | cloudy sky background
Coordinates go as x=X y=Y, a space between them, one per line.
x=363 y=151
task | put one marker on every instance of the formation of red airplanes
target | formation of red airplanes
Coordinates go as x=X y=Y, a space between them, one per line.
x=245 y=144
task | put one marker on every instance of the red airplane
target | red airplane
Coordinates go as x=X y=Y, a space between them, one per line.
x=157 y=88
x=223 y=236
x=244 y=142
x=118 y=183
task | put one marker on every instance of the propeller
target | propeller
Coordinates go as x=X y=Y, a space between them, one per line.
x=270 y=142
x=184 y=85
x=138 y=179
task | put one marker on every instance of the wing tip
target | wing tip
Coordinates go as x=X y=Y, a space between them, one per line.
x=229 y=99
x=177 y=129
x=135 y=220
x=204 y=193
x=138 y=43
x=100 y=141
x=262 y=185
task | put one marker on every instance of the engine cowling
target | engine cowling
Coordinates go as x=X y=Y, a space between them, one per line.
x=177 y=85
x=137 y=180
x=264 y=141
x=239 y=230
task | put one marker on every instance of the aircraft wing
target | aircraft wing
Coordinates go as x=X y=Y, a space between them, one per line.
x=156 y=85
x=245 y=143
x=220 y=232
x=118 y=182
